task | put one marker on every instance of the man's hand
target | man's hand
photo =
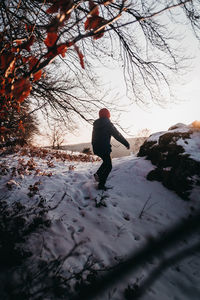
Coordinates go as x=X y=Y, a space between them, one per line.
x=128 y=146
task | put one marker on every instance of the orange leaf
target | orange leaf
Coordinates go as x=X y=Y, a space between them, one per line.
x=15 y=49
x=21 y=89
x=18 y=42
x=61 y=49
x=81 y=60
x=80 y=55
x=50 y=39
x=50 y=54
x=3 y=129
x=32 y=62
x=53 y=9
x=37 y=75
x=25 y=59
x=2 y=91
x=94 y=10
x=11 y=67
x=94 y=22
x=21 y=126
x=105 y=3
x=98 y=36
x=69 y=44
x=5 y=60
x=87 y=24
x=66 y=6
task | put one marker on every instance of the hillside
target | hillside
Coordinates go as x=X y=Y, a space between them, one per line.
x=118 y=150
x=61 y=233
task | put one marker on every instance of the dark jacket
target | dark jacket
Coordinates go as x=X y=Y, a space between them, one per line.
x=103 y=129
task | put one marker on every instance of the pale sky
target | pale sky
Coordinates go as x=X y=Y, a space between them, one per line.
x=135 y=118
x=185 y=108
x=155 y=118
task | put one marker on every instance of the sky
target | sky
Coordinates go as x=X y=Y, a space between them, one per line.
x=184 y=108
x=135 y=119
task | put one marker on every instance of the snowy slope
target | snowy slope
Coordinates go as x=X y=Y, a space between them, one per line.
x=132 y=211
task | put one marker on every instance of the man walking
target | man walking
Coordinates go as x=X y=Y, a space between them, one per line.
x=103 y=129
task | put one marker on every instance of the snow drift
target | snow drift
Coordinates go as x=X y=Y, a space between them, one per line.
x=176 y=155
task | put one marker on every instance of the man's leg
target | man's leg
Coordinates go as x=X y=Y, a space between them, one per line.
x=104 y=169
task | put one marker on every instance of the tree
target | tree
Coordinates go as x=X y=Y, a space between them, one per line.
x=21 y=126
x=135 y=33
x=62 y=96
x=56 y=135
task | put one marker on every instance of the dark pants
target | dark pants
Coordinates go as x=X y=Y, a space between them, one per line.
x=104 y=169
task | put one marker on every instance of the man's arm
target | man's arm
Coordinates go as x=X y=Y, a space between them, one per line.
x=118 y=136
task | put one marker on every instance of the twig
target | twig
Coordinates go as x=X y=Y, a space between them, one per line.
x=54 y=207
x=141 y=213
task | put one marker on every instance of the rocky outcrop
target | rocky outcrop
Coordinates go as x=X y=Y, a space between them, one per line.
x=171 y=153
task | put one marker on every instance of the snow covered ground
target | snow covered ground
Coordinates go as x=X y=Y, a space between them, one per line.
x=112 y=224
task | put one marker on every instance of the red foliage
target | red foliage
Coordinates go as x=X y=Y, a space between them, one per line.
x=50 y=39
x=14 y=86
x=94 y=9
x=64 y=6
x=5 y=59
x=21 y=89
x=32 y=61
x=80 y=55
x=62 y=49
x=98 y=36
x=51 y=54
x=27 y=45
x=3 y=129
x=53 y=9
x=21 y=126
x=69 y=44
x=37 y=75
x=94 y=22
x=107 y=2
x=51 y=155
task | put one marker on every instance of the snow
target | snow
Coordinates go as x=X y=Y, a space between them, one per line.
x=192 y=145
x=135 y=210
x=155 y=136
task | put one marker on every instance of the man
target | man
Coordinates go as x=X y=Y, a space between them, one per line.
x=103 y=129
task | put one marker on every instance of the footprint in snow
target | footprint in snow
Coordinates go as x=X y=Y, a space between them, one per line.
x=136 y=237
x=81 y=229
x=126 y=216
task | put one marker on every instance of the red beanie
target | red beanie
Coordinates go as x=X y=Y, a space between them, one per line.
x=104 y=113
